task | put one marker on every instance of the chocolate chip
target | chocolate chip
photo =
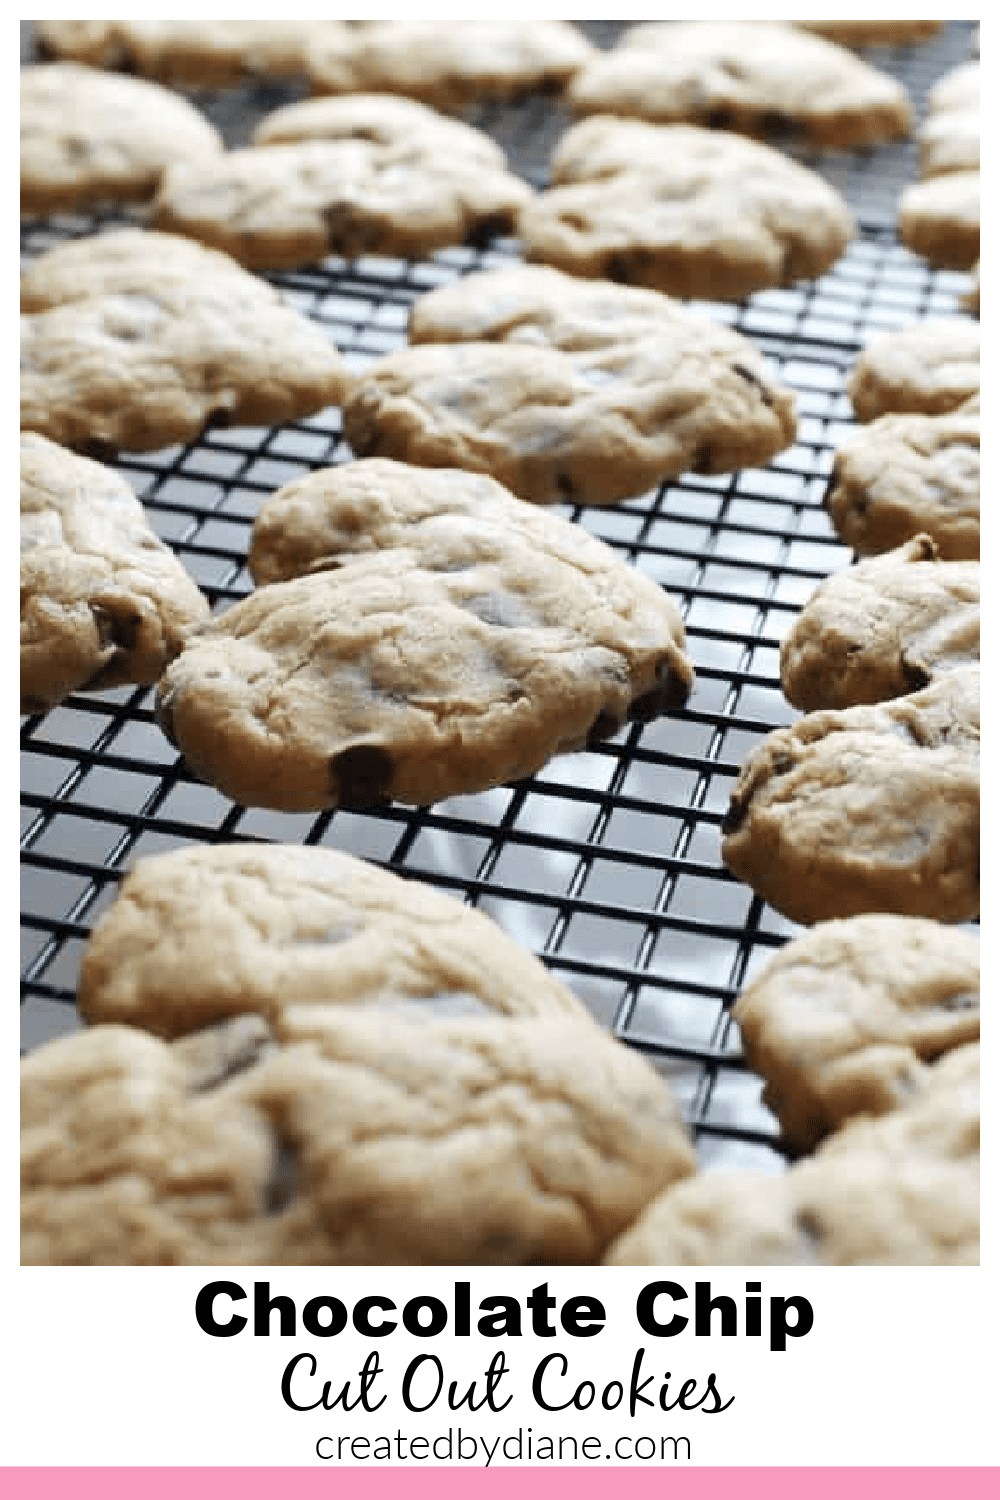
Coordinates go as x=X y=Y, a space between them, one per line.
x=565 y=486
x=361 y=776
x=116 y=628
x=603 y=727
x=487 y=229
x=915 y=676
x=669 y=694
x=619 y=268
x=719 y=118
x=735 y=815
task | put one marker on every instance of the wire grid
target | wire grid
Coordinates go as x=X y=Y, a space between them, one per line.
x=606 y=863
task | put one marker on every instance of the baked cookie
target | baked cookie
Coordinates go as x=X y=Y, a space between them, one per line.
x=348 y=1138
x=202 y=933
x=939 y=219
x=949 y=137
x=187 y=52
x=103 y=600
x=903 y=475
x=132 y=339
x=692 y=212
x=275 y=207
x=750 y=76
x=387 y=120
x=449 y=638
x=929 y=367
x=87 y=136
x=899 y=1190
x=872 y=33
x=869 y=809
x=844 y=1020
x=565 y=389
x=882 y=628
x=448 y=64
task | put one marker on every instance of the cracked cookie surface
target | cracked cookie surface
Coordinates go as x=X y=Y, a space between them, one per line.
x=882 y=628
x=132 y=339
x=685 y=210
x=845 y=1019
x=907 y=474
x=449 y=637
x=284 y=205
x=202 y=933
x=902 y=1189
x=566 y=389
x=103 y=601
x=88 y=136
x=865 y=809
x=748 y=76
x=342 y=1139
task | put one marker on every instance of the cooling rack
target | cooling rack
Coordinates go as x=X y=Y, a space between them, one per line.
x=605 y=864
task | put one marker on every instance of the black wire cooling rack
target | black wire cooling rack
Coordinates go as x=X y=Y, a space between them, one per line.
x=605 y=864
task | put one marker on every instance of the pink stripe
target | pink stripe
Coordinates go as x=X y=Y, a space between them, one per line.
x=434 y=1482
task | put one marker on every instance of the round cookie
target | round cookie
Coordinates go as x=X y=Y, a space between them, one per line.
x=386 y=120
x=563 y=389
x=103 y=600
x=88 y=136
x=939 y=219
x=347 y=1139
x=749 y=76
x=928 y=367
x=187 y=52
x=448 y=66
x=844 y=1020
x=448 y=639
x=132 y=339
x=203 y=933
x=903 y=475
x=865 y=809
x=899 y=1190
x=688 y=211
x=882 y=628
x=276 y=207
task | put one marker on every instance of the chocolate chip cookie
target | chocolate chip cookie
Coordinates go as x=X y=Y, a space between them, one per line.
x=899 y=1190
x=846 y=1019
x=447 y=639
x=132 y=339
x=103 y=600
x=929 y=367
x=88 y=136
x=903 y=475
x=882 y=628
x=689 y=211
x=749 y=76
x=564 y=389
x=200 y=934
x=865 y=809
x=352 y=1138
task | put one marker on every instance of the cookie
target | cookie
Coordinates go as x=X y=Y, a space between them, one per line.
x=928 y=367
x=899 y=1190
x=187 y=52
x=872 y=33
x=450 y=65
x=939 y=219
x=749 y=76
x=88 y=136
x=565 y=389
x=865 y=809
x=103 y=600
x=902 y=475
x=845 y=1020
x=132 y=339
x=949 y=137
x=275 y=207
x=449 y=638
x=202 y=933
x=386 y=120
x=882 y=628
x=342 y=1139
x=692 y=212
